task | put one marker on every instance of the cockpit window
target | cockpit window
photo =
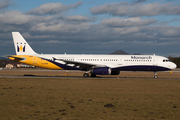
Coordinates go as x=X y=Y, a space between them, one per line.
x=166 y=60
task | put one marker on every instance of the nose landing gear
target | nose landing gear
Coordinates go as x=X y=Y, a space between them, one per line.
x=155 y=75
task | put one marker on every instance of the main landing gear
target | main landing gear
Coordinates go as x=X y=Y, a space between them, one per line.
x=87 y=75
x=155 y=75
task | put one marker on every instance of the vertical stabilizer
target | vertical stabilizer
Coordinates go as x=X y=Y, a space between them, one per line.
x=21 y=46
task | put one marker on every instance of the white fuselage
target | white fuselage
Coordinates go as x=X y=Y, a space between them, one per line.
x=119 y=62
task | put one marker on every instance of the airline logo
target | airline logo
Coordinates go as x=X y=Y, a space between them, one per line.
x=141 y=57
x=21 y=47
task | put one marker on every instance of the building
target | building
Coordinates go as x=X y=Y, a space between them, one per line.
x=9 y=66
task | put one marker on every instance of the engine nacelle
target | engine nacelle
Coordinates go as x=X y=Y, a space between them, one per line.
x=101 y=71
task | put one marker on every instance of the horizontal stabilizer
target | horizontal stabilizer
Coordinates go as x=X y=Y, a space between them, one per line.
x=15 y=58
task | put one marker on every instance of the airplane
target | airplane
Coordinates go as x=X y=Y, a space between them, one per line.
x=91 y=64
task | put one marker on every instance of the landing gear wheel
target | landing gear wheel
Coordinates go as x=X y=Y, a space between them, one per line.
x=85 y=75
x=155 y=76
x=93 y=75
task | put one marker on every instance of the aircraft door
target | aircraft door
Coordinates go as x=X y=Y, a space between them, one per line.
x=120 y=61
x=155 y=60
x=34 y=60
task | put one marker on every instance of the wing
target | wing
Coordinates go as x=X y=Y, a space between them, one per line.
x=82 y=65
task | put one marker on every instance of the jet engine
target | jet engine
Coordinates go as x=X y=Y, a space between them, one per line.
x=104 y=71
x=101 y=71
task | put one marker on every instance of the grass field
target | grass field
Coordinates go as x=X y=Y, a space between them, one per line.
x=89 y=99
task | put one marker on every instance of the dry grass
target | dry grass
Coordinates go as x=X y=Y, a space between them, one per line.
x=84 y=99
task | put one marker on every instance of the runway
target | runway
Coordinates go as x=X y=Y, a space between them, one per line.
x=78 y=77
x=71 y=74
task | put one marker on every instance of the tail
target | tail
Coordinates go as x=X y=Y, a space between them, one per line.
x=21 y=46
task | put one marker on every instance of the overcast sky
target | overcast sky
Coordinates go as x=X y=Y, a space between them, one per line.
x=92 y=27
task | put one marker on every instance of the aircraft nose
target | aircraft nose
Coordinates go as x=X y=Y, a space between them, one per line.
x=173 y=66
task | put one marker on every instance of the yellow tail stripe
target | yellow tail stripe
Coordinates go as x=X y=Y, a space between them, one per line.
x=36 y=61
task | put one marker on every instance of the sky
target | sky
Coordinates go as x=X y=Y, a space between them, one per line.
x=92 y=27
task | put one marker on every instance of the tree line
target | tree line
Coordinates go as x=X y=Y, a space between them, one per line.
x=175 y=60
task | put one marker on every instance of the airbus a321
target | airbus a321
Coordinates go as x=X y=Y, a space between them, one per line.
x=92 y=64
